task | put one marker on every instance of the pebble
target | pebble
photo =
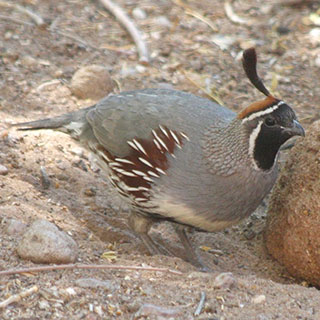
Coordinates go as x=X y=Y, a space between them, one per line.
x=163 y=21
x=43 y=242
x=258 y=299
x=148 y=310
x=224 y=280
x=28 y=61
x=15 y=227
x=139 y=14
x=199 y=275
x=77 y=151
x=96 y=283
x=91 y=82
x=314 y=36
x=44 y=304
x=3 y=170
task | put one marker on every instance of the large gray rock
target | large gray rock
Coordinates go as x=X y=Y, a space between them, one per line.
x=293 y=223
x=43 y=242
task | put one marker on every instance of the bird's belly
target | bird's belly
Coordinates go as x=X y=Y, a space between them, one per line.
x=169 y=208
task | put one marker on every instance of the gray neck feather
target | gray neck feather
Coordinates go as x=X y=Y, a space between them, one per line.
x=226 y=148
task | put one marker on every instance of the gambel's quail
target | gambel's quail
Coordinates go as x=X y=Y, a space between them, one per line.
x=174 y=156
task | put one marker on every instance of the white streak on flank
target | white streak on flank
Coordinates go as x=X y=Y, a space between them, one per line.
x=157 y=144
x=123 y=161
x=104 y=156
x=173 y=156
x=175 y=138
x=185 y=136
x=159 y=140
x=132 y=189
x=145 y=162
x=139 y=173
x=252 y=142
x=114 y=164
x=140 y=199
x=151 y=173
x=263 y=112
x=118 y=170
x=140 y=147
x=147 y=179
x=132 y=145
x=128 y=174
x=164 y=131
x=160 y=171
x=143 y=189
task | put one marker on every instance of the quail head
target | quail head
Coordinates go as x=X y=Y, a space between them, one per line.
x=174 y=156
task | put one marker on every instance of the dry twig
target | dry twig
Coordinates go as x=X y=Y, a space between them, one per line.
x=85 y=266
x=201 y=304
x=2 y=17
x=129 y=25
x=40 y=22
x=189 y=11
x=234 y=17
x=209 y=94
x=36 y=18
x=18 y=297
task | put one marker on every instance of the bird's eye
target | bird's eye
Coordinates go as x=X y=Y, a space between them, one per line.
x=269 y=122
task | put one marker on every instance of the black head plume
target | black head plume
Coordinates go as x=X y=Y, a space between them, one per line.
x=249 y=62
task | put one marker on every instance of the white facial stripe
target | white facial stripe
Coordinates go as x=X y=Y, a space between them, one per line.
x=263 y=112
x=252 y=142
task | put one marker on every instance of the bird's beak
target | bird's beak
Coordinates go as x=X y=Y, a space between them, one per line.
x=296 y=129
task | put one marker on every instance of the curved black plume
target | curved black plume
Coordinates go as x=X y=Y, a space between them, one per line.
x=249 y=62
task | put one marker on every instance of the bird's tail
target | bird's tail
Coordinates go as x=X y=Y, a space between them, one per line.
x=73 y=123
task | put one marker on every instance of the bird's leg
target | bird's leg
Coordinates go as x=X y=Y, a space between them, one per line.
x=190 y=251
x=141 y=226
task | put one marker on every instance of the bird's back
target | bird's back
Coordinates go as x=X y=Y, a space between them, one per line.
x=134 y=114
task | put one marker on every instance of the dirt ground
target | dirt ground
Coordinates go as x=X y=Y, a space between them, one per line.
x=36 y=66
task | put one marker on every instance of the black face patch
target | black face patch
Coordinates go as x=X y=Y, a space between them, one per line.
x=283 y=116
x=274 y=132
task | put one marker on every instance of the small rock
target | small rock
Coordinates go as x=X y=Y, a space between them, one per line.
x=199 y=275
x=70 y=291
x=163 y=21
x=28 y=61
x=15 y=227
x=95 y=283
x=314 y=36
x=139 y=14
x=223 y=42
x=140 y=68
x=44 y=304
x=77 y=151
x=224 y=280
x=160 y=312
x=3 y=170
x=258 y=299
x=91 y=82
x=43 y=242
